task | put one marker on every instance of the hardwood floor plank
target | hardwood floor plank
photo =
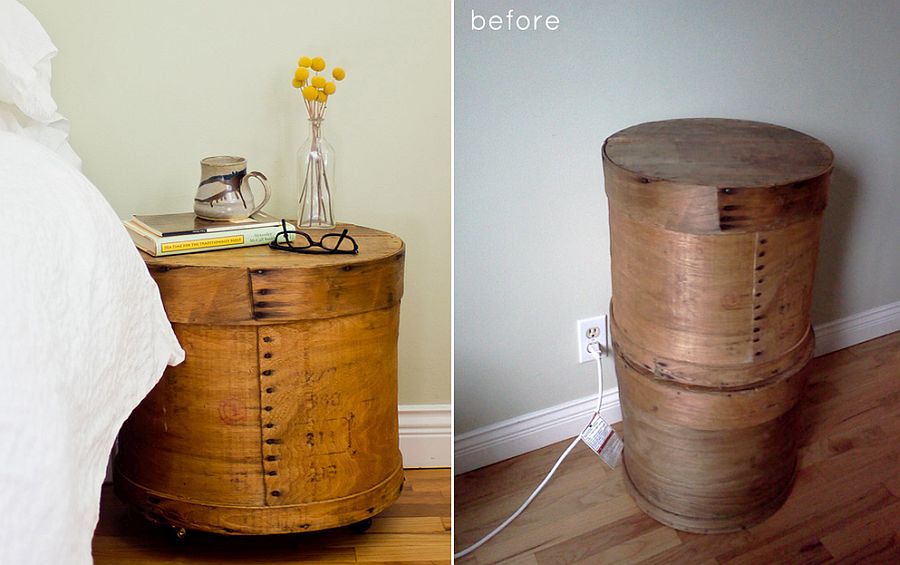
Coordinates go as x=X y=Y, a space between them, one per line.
x=402 y=548
x=636 y=549
x=873 y=532
x=573 y=506
x=699 y=548
x=408 y=525
x=589 y=544
x=844 y=506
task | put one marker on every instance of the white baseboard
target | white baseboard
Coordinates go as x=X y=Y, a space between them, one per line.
x=509 y=438
x=426 y=439
x=832 y=336
x=516 y=436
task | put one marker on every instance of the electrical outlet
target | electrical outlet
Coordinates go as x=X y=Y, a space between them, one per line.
x=591 y=330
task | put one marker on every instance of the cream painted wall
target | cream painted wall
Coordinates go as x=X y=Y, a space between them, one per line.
x=532 y=111
x=151 y=87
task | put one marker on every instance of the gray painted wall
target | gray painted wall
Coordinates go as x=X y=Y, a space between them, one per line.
x=532 y=111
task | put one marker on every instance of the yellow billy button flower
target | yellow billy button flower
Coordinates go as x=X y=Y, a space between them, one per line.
x=310 y=92
x=318 y=64
x=304 y=62
x=301 y=74
x=318 y=81
x=338 y=73
x=296 y=83
x=330 y=88
x=322 y=97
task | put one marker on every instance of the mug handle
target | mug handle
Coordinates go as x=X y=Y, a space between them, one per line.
x=262 y=178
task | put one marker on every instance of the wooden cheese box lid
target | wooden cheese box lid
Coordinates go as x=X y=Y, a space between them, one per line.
x=711 y=175
x=260 y=286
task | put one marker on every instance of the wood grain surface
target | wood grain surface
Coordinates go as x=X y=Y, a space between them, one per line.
x=415 y=529
x=283 y=416
x=714 y=234
x=719 y=152
x=258 y=285
x=844 y=506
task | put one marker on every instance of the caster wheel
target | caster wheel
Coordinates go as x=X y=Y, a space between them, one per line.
x=360 y=527
x=178 y=535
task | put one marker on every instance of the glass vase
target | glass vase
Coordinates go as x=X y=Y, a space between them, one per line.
x=315 y=171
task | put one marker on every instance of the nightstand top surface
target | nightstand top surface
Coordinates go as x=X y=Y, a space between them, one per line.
x=718 y=152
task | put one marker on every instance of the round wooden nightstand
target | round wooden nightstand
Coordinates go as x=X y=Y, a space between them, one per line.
x=714 y=233
x=283 y=416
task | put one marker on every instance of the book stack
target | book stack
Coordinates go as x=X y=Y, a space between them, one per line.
x=173 y=234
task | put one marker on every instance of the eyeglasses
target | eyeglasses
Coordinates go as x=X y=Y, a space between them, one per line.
x=330 y=243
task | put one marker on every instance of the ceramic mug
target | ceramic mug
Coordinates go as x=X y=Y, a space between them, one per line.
x=224 y=192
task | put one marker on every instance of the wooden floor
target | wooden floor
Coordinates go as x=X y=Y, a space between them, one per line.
x=844 y=507
x=416 y=529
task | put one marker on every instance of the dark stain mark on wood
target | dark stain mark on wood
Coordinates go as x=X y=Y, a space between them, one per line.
x=811 y=546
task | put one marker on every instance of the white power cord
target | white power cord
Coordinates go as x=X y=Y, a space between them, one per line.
x=595 y=353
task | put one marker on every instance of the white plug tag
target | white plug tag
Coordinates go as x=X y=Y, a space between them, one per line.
x=603 y=440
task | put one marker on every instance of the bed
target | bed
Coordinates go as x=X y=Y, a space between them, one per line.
x=83 y=334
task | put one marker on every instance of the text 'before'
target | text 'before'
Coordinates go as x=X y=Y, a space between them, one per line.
x=514 y=22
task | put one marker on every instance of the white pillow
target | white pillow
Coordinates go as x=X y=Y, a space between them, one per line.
x=27 y=107
x=25 y=53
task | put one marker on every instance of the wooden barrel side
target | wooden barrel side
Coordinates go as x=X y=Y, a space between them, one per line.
x=720 y=377
x=260 y=286
x=708 y=409
x=714 y=231
x=704 y=209
x=168 y=509
x=201 y=421
x=267 y=295
x=291 y=415
x=694 y=302
x=332 y=429
x=708 y=461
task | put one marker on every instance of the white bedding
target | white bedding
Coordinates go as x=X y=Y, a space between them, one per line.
x=83 y=338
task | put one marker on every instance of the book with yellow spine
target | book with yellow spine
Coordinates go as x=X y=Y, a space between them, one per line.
x=192 y=243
